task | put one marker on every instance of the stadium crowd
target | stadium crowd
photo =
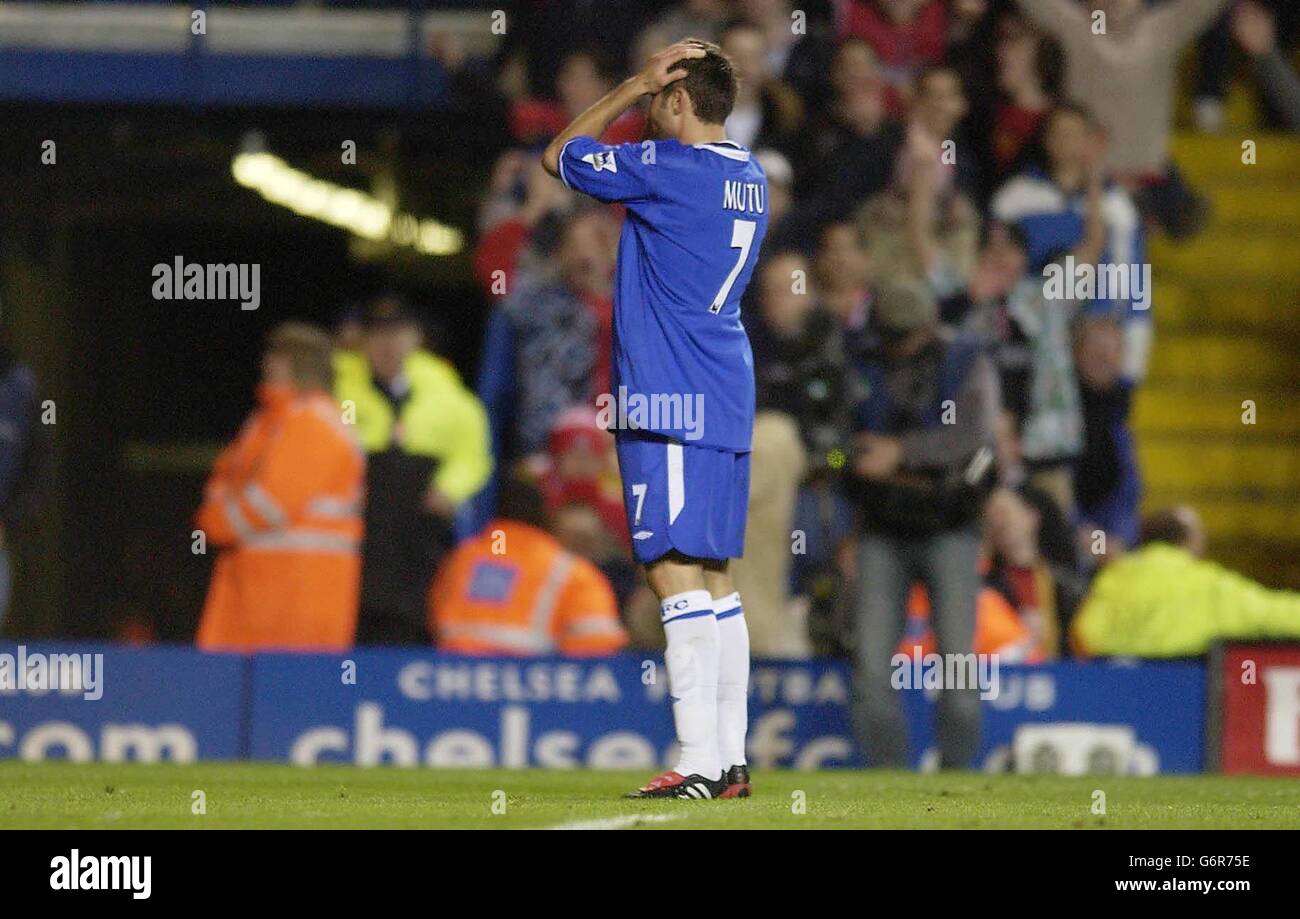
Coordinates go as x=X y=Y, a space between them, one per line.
x=943 y=455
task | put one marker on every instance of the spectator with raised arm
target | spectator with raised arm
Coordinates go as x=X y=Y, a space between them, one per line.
x=1049 y=202
x=1255 y=30
x=1121 y=58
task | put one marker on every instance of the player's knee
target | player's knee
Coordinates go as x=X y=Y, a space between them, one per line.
x=674 y=574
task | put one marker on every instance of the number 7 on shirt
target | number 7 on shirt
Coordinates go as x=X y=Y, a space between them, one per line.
x=742 y=238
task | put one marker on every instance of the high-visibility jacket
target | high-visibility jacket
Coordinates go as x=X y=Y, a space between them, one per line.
x=1162 y=601
x=441 y=420
x=283 y=505
x=513 y=589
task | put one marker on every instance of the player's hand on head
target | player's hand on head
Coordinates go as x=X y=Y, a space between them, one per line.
x=662 y=70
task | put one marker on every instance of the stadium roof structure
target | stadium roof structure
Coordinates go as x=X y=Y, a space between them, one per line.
x=150 y=54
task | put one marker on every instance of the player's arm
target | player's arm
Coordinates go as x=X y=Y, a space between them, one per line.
x=659 y=72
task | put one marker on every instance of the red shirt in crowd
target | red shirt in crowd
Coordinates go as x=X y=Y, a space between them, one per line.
x=1013 y=127
x=903 y=49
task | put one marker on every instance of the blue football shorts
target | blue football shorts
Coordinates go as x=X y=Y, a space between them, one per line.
x=678 y=496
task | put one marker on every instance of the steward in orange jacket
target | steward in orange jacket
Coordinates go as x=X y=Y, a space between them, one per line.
x=284 y=506
x=998 y=628
x=514 y=590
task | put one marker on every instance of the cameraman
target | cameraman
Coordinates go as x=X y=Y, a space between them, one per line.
x=925 y=417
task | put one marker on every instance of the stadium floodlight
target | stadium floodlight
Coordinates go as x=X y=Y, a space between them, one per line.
x=348 y=209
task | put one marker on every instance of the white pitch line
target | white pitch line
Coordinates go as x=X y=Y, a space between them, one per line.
x=616 y=823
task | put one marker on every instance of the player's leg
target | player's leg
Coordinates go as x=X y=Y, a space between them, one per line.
x=691 y=633
x=654 y=489
x=691 y=658
x=733 y=677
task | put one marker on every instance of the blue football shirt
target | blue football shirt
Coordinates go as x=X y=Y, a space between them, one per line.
x=696 y=216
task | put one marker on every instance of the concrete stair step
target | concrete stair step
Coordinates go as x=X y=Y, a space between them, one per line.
x=1217 y=359
x=1207 y=159
x=1223 y=305
x=1256 y=258
x=1246 y=208
x=1265 y=471
x=1177 y=410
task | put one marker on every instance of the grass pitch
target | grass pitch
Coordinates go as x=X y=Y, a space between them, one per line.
x=249 y=795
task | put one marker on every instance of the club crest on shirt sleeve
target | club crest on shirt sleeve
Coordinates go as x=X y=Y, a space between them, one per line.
x=602 y=159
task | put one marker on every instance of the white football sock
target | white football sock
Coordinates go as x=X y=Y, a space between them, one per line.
x=692 y=661
x=733 y=680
